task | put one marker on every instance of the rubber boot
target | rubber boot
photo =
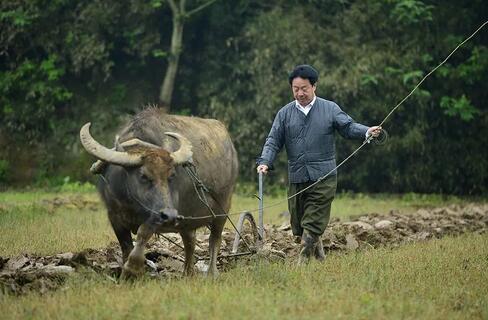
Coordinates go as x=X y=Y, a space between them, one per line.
x=309 y=244
x=319 y=251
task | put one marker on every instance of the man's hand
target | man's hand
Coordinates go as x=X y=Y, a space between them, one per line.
x=262 y=168
x=374 y=131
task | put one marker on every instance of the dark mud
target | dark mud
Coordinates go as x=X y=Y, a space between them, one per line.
x=165 y=255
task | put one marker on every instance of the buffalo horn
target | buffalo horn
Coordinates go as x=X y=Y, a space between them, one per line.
x=111 y=156
x=97 y=167
x=184 y=153
x=139 y=143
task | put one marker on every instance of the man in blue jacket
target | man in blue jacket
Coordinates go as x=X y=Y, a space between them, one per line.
x=306 y=127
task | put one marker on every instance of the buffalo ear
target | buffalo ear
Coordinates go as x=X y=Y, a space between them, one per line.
x=184 y=153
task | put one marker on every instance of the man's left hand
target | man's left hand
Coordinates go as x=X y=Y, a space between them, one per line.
x=374 y=131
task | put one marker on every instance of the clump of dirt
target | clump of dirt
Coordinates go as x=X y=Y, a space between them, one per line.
x=165 y=255
x=25 y=273
x=71 y=202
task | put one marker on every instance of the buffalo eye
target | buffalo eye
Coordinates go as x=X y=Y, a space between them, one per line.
x=145 y=178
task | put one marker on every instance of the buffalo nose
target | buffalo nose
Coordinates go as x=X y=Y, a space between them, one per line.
x=168 y=214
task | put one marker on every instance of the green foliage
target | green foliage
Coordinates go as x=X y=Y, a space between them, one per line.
x=64 y=63
x=411 y=11
x=158 y=53
x=474 y=69
x=157 y=3
x=461 y=107
x=369 y=79
x=30 y=95
x=18 y=17
x=4 y=169
x=412 y=77
x=75 y=186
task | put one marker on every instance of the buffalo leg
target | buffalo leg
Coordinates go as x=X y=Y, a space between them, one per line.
x=123 y=235
x=135 y=262
x=125 y=241
x=188 y=237
x=214 y=245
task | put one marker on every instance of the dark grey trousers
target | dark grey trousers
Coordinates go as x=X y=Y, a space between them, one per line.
x=311 y=209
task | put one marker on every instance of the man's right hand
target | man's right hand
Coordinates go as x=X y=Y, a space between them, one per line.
x=262 y=168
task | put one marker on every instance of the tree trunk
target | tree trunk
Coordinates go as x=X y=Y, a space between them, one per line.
x=178 y=8
x=173 y=59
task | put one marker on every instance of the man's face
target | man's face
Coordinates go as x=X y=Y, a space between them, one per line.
x=303 y=91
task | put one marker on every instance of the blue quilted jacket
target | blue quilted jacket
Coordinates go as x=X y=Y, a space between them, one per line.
x=309 y=139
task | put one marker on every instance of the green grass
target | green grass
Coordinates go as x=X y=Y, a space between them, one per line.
x=36 y=229
x=431 y=280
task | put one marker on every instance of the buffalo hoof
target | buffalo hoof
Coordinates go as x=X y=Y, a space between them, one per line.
x=132 y=270
x=189 y=272
x=128 y=274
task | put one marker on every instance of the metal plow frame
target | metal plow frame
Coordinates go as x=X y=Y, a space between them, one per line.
x=258 y=233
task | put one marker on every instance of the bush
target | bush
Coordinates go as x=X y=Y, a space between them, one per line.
x=75 y=186
x=4 y=171
x=4 y=167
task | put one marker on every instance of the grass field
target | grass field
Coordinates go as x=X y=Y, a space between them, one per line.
x=438 y=279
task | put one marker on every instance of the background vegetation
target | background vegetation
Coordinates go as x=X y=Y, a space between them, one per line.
x=65 y=62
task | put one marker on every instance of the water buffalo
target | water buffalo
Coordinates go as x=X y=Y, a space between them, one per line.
x=147 y=190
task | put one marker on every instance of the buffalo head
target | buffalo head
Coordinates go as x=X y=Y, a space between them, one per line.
x=145 y=179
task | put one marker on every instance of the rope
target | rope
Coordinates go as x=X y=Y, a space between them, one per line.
x=198 y=186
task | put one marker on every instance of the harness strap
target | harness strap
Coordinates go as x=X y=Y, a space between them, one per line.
x=200 y=188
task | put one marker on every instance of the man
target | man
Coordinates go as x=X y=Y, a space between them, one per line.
x=306 y=127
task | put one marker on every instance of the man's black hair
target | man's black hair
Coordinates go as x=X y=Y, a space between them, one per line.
x=304 y=71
